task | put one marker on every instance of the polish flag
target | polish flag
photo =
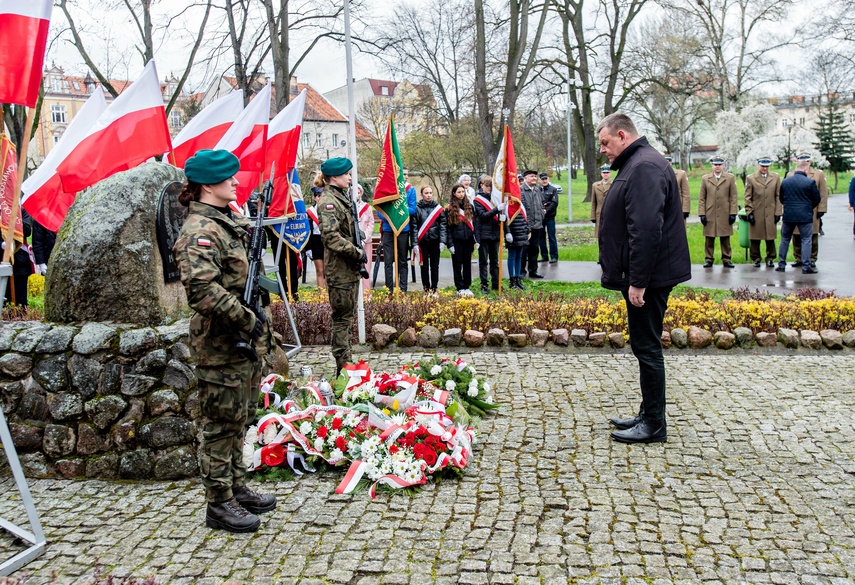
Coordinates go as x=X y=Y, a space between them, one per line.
x=283 y=140
x=506 y=183
x=246 y=139
x=129 y=132
x=42 y=194
x=206 y=128
x=24 y=26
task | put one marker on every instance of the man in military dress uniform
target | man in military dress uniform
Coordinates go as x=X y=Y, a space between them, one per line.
x=819 y=178
x=598 y=196
x=342 y=257
x=683 y=182
x=763 y=206
x=717 y=209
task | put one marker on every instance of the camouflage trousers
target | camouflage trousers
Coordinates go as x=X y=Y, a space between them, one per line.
x=343 y=301
x=228 y=396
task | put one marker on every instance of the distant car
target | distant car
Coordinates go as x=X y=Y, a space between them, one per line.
x=558 y=187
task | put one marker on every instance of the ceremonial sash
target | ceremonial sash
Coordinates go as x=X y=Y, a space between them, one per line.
x=365 y=207
x=464 y=220
x=486 y=204
x=429 y=222
x=313 y=215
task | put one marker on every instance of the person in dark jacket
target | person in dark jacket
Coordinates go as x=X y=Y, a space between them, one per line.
x=852 y=200
x=43 y=243
x=549 y=195
x=799 y=196
x=460 y=238
x=533 y=204
x=428 y=225
x=22 y=267
x=487 y=221
x=517 y=234
x=643 y=254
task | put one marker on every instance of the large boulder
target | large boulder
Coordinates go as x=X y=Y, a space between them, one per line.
x=106 y=265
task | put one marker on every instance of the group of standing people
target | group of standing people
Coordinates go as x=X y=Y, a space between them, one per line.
x=28 y=259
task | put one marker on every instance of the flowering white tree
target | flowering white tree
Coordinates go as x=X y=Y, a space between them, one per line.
x=778 y=146
x=734 y=130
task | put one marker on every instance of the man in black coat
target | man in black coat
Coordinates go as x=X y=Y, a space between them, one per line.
x=549 y=194
x=487 y=220
x=643 y=254
x=799 y=196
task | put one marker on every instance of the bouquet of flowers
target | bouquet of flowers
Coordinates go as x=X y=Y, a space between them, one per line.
x=461 y=380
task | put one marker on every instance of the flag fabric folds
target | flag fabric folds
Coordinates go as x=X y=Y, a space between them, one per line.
x=24 y=26
x=206 y=128
x=283 y=141
x=506 y=183
x=129 y=132
x=390 y=197
x=295 y=230
x=8 y=182
x=42 y=194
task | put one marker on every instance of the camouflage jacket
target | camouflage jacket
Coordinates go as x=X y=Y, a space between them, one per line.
x=211 y=254
x=341 y=255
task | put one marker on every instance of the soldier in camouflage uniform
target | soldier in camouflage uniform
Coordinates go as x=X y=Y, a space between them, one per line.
x=211 y=252
x=342 y=257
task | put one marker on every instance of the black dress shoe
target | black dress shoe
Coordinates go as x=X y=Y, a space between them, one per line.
x=625 y=423
x=535 y=275
x=770 y=263
x=756 y=264
x=797 y=264
x=708 y=264
x=485 y=291
x=231 y=516
x=253 y=502
x=643 y=432
x=554 y=261
x=781 y=268
x=809 y=270
x=729 y=264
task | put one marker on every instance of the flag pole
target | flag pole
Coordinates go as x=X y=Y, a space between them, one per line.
x=395 y=244
x=360 y=302
x=288 y=271
x=16 y=198
x=501 y=243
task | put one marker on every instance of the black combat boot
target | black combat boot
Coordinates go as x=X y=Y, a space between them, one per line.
x=231 y=516
x=253 y=502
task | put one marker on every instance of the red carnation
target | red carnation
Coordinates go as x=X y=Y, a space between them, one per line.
x=323 y=431
x=408 y=439
x=421 y=432
x=419 y=450
x=393 y=449
x=336 y=423
x=430 y=457
x=273 y=455
x=341 y=443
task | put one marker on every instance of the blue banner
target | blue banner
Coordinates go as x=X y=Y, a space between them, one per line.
x=296 y=229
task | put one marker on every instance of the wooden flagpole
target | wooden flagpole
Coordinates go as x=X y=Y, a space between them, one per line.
x=395 y=245
x=501 y=244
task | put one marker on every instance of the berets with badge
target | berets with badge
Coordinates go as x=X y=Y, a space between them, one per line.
x=336 y=166
x=529 y=172
x=605 y=169
x=716 y=160
x=804 y=156
x=764 y=161
x=209 y=167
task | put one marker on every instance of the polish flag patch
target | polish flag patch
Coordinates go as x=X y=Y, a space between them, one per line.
x=204 y=242
x=330 y=206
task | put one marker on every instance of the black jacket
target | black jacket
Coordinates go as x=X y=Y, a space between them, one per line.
x=457 y=233
x=43 y=242
x=520 y=231
x=642 y=234
x=486 y=221
x=549 y=194
x=799 y=195
x=436 y=232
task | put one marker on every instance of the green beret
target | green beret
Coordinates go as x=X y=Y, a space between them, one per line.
x=209 y=167
x=336 y=166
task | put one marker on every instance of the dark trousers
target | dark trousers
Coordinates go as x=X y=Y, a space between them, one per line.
x=798 y=247
x=20 y=287
x=709 y=248
x=548 y=234
x=389 y=259
x=645 y=339
x=754 y=249
x=429 y=264
x=461 y=263
x=801 y=247
x=488 y=258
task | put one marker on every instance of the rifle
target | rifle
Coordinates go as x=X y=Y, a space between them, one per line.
x=255 y=256
x=357 y=238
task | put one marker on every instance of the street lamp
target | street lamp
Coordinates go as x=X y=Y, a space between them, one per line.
x=571 y=89
x=789 y=126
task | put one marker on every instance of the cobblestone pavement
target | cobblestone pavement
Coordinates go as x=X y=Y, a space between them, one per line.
x=755 y=485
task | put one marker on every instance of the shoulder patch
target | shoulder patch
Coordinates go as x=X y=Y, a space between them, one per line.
x=204 y=242
x=330 y=207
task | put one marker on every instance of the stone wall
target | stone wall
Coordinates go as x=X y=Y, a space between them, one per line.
x=100 y=401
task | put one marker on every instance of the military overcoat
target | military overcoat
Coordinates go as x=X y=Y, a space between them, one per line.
x=717 y=200
x=763 y=199
x=598 y=197
x=685 y=195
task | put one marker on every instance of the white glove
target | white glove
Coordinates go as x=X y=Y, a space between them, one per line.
x=441 y=246
x=502 y=207
x=309 y=255
x=503 y=217
x=509 y=238
x=451 y=249
x=41 y=269
x=477 y=245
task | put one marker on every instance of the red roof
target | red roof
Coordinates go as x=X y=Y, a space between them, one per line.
x=378 y=84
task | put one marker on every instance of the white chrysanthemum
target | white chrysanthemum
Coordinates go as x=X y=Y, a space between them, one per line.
x=450 y=385
x=252 y=435
x=336 y=454
x=473 y=384
x=489 y=400
x=436 y=370
x=353 y=419
x=399 y=418
x=319 y=416
x=487 y=387
x=248 y=452
x=306 y=427
x=386 y=467
x=353 y=447
x=269 y=434
x=471 y=370
x=473 y=392
x=319 y=444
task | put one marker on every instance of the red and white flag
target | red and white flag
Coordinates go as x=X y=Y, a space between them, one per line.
x=506 y=183
x=24 y=26
x=247 y=139
x=129 y=132
x=206 y=128
x=283 y=140
x=42 y=194
x=8 y=182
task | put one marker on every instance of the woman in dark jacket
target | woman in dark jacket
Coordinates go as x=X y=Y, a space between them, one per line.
x=517 y=233
x=428 y=226
x=460 y=238
x=22 y=268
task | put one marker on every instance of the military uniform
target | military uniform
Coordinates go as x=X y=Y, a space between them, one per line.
x=341 y=267
x=818 y=177
x=763 y=200
x=599 y=190
x=685 y=195
x=717 y=202
x=211 y=253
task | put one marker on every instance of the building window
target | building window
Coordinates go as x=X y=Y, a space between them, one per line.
x=58 y=114
x=801 y=121
x=306 y=139
x=56 y=84
x=384 y=90
x=57 y=134
x=176 y=120
x=335 y=140
x=320 y=141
